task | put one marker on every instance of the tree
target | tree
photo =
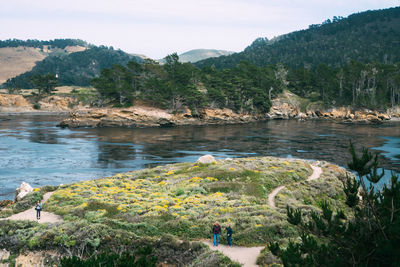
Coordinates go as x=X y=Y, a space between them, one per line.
x=44 y=83
x=115 y=84
x=369 y=238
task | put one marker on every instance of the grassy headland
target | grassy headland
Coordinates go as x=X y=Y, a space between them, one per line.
x=179 y=202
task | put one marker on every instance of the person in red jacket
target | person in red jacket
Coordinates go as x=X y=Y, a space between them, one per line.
x=216 y=231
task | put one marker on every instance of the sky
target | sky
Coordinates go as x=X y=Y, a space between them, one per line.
x=156 y=28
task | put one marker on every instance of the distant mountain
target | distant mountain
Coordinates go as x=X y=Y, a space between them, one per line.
x=72 y=68
x=18 y=56
x=200 y=54
x=366 y=37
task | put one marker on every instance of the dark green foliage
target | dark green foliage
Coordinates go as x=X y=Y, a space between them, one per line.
x=370 y=238
x=362 y=165
x=141 y=257
x=370 y=36
x=294 y=216
x=176 y=85
x=350 y=188
x=44 y=83
x=274 y=248
x=326 y=211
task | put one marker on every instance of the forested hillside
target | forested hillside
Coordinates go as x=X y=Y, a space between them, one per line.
x=364 y=37
x=76 y=68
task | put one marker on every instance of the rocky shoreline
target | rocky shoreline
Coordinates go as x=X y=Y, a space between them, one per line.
x=152 y=117
x=287 y=106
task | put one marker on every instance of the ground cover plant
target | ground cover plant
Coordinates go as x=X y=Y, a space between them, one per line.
x=186 y=199
x=178 y=203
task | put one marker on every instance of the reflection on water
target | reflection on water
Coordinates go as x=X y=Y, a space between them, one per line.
x=32 y=149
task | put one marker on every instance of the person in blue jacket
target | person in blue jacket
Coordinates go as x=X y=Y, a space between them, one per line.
x=38 y=208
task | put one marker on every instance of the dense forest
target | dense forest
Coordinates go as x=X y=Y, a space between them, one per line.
x=77 y=68
x=372 y=36
x=56 y=43
x=246 y=88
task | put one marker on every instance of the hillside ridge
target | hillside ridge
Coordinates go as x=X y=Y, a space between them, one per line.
x=366 y=37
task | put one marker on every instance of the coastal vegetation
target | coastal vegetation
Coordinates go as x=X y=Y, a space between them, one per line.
x=176 y=202
x=368 y=238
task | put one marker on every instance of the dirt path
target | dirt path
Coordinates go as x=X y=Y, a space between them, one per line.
x=244 y=255
x=30 y=214
x=317 y=171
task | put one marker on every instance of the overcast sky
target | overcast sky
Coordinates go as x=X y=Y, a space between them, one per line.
x=156 y=28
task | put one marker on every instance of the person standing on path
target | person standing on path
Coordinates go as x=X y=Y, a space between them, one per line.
x=38 y=208
x=229 y=233
x=216 y=231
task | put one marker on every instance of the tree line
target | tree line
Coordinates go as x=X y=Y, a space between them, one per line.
x=247 y=88
x=56 y=43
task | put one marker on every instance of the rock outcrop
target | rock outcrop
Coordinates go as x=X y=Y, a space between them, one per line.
x=288 y=107
x=22 y=191
x=7 y=100
x=140 y=116
x=58 y=103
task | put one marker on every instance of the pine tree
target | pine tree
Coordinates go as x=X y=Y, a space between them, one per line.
x=370 y=238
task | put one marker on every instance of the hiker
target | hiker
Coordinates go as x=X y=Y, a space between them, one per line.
x=229 y=233
x=38 y=208
x=216 y=231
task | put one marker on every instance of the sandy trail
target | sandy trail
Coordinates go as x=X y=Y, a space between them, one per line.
x=244 y=255
x=317 y=171
x=30 y=214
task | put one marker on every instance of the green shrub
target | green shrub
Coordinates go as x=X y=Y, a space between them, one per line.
x=141 y=257
x=27 y=202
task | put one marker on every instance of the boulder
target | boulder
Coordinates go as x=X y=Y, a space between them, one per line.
x=22 y=191
x=206 y=159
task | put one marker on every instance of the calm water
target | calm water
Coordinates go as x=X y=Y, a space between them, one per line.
x=34 y=150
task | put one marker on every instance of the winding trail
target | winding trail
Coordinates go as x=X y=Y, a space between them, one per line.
x=317 y=171
x=30 y=214
x=244 y=255
x=247 y=256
